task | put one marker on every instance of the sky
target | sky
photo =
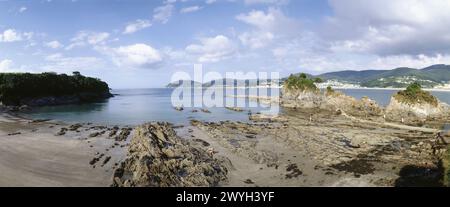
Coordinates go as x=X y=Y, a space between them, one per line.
x=141 y=44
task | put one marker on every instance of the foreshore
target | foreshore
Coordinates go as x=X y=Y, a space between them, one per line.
x=297 y=148
x=52 y=153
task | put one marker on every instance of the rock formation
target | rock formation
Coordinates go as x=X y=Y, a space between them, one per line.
x=330 y=100
x=416 y=103
x=157 y=157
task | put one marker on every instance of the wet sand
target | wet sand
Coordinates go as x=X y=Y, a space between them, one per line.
x=31 y=154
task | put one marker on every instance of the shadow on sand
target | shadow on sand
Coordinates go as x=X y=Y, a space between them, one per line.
x=418 y=176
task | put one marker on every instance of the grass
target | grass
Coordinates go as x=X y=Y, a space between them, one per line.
x=415 y=95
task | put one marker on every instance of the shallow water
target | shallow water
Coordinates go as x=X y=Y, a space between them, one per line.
x=136 y=106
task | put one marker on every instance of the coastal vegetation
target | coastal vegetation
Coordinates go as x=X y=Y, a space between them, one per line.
x=302 y=83
x=415 y=95
x=330 y=91
x=17 y=88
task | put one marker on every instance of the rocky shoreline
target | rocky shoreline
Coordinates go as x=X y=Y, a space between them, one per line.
x=340 y=141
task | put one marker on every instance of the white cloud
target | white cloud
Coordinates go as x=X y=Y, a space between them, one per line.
x=10 y=35
x=54 y=44
x=213 y=49
x=135 y=56
x=256 y=40
x=258 y=18
x=210 y=1
x=84 y=38
x=162 y=14
x=59 y=63
x=416 y=61
x=267 y=26
x=6 y=65
x=266 y=2
x=22 y=9
x=190 y=9
x=136 y=26
x=388 y=27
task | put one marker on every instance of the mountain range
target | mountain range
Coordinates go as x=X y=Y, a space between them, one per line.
x=428 y=77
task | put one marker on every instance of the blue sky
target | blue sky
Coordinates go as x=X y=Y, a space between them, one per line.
x=138 y=44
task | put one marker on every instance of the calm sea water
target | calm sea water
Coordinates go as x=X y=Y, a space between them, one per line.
x=136 y=106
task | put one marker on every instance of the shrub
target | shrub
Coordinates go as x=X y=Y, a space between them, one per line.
x=415 y=95
x=300 y=82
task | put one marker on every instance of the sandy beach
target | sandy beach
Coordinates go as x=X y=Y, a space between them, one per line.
x=31 y=154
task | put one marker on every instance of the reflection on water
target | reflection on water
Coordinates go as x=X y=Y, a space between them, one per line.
x=136 y=106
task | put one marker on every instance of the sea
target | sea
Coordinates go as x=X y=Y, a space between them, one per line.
x=137 y=106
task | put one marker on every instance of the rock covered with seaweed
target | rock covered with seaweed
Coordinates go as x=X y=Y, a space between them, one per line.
x=158 y=157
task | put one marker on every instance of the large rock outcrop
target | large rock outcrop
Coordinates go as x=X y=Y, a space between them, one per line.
x=157 y=157
x=398 y=109
x=301 y=99
x=416 y=103
x=330 y=100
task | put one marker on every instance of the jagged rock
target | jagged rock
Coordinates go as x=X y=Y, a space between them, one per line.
x=158 y=157
x=397 y=110
x=114 y=131
x=124 y=133
x=335 y=101
x=62 y=131
x=15 y=133
x=95 y=134
x=237 y=109
x=206 y=111
x=75 y=127
x=301 y=99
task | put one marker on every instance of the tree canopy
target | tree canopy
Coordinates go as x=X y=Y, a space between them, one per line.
x=300 y=82
x=16 y=86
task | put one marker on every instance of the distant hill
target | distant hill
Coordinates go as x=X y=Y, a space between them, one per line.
x=396 y=78
x=181 y=82
x=428 y=77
